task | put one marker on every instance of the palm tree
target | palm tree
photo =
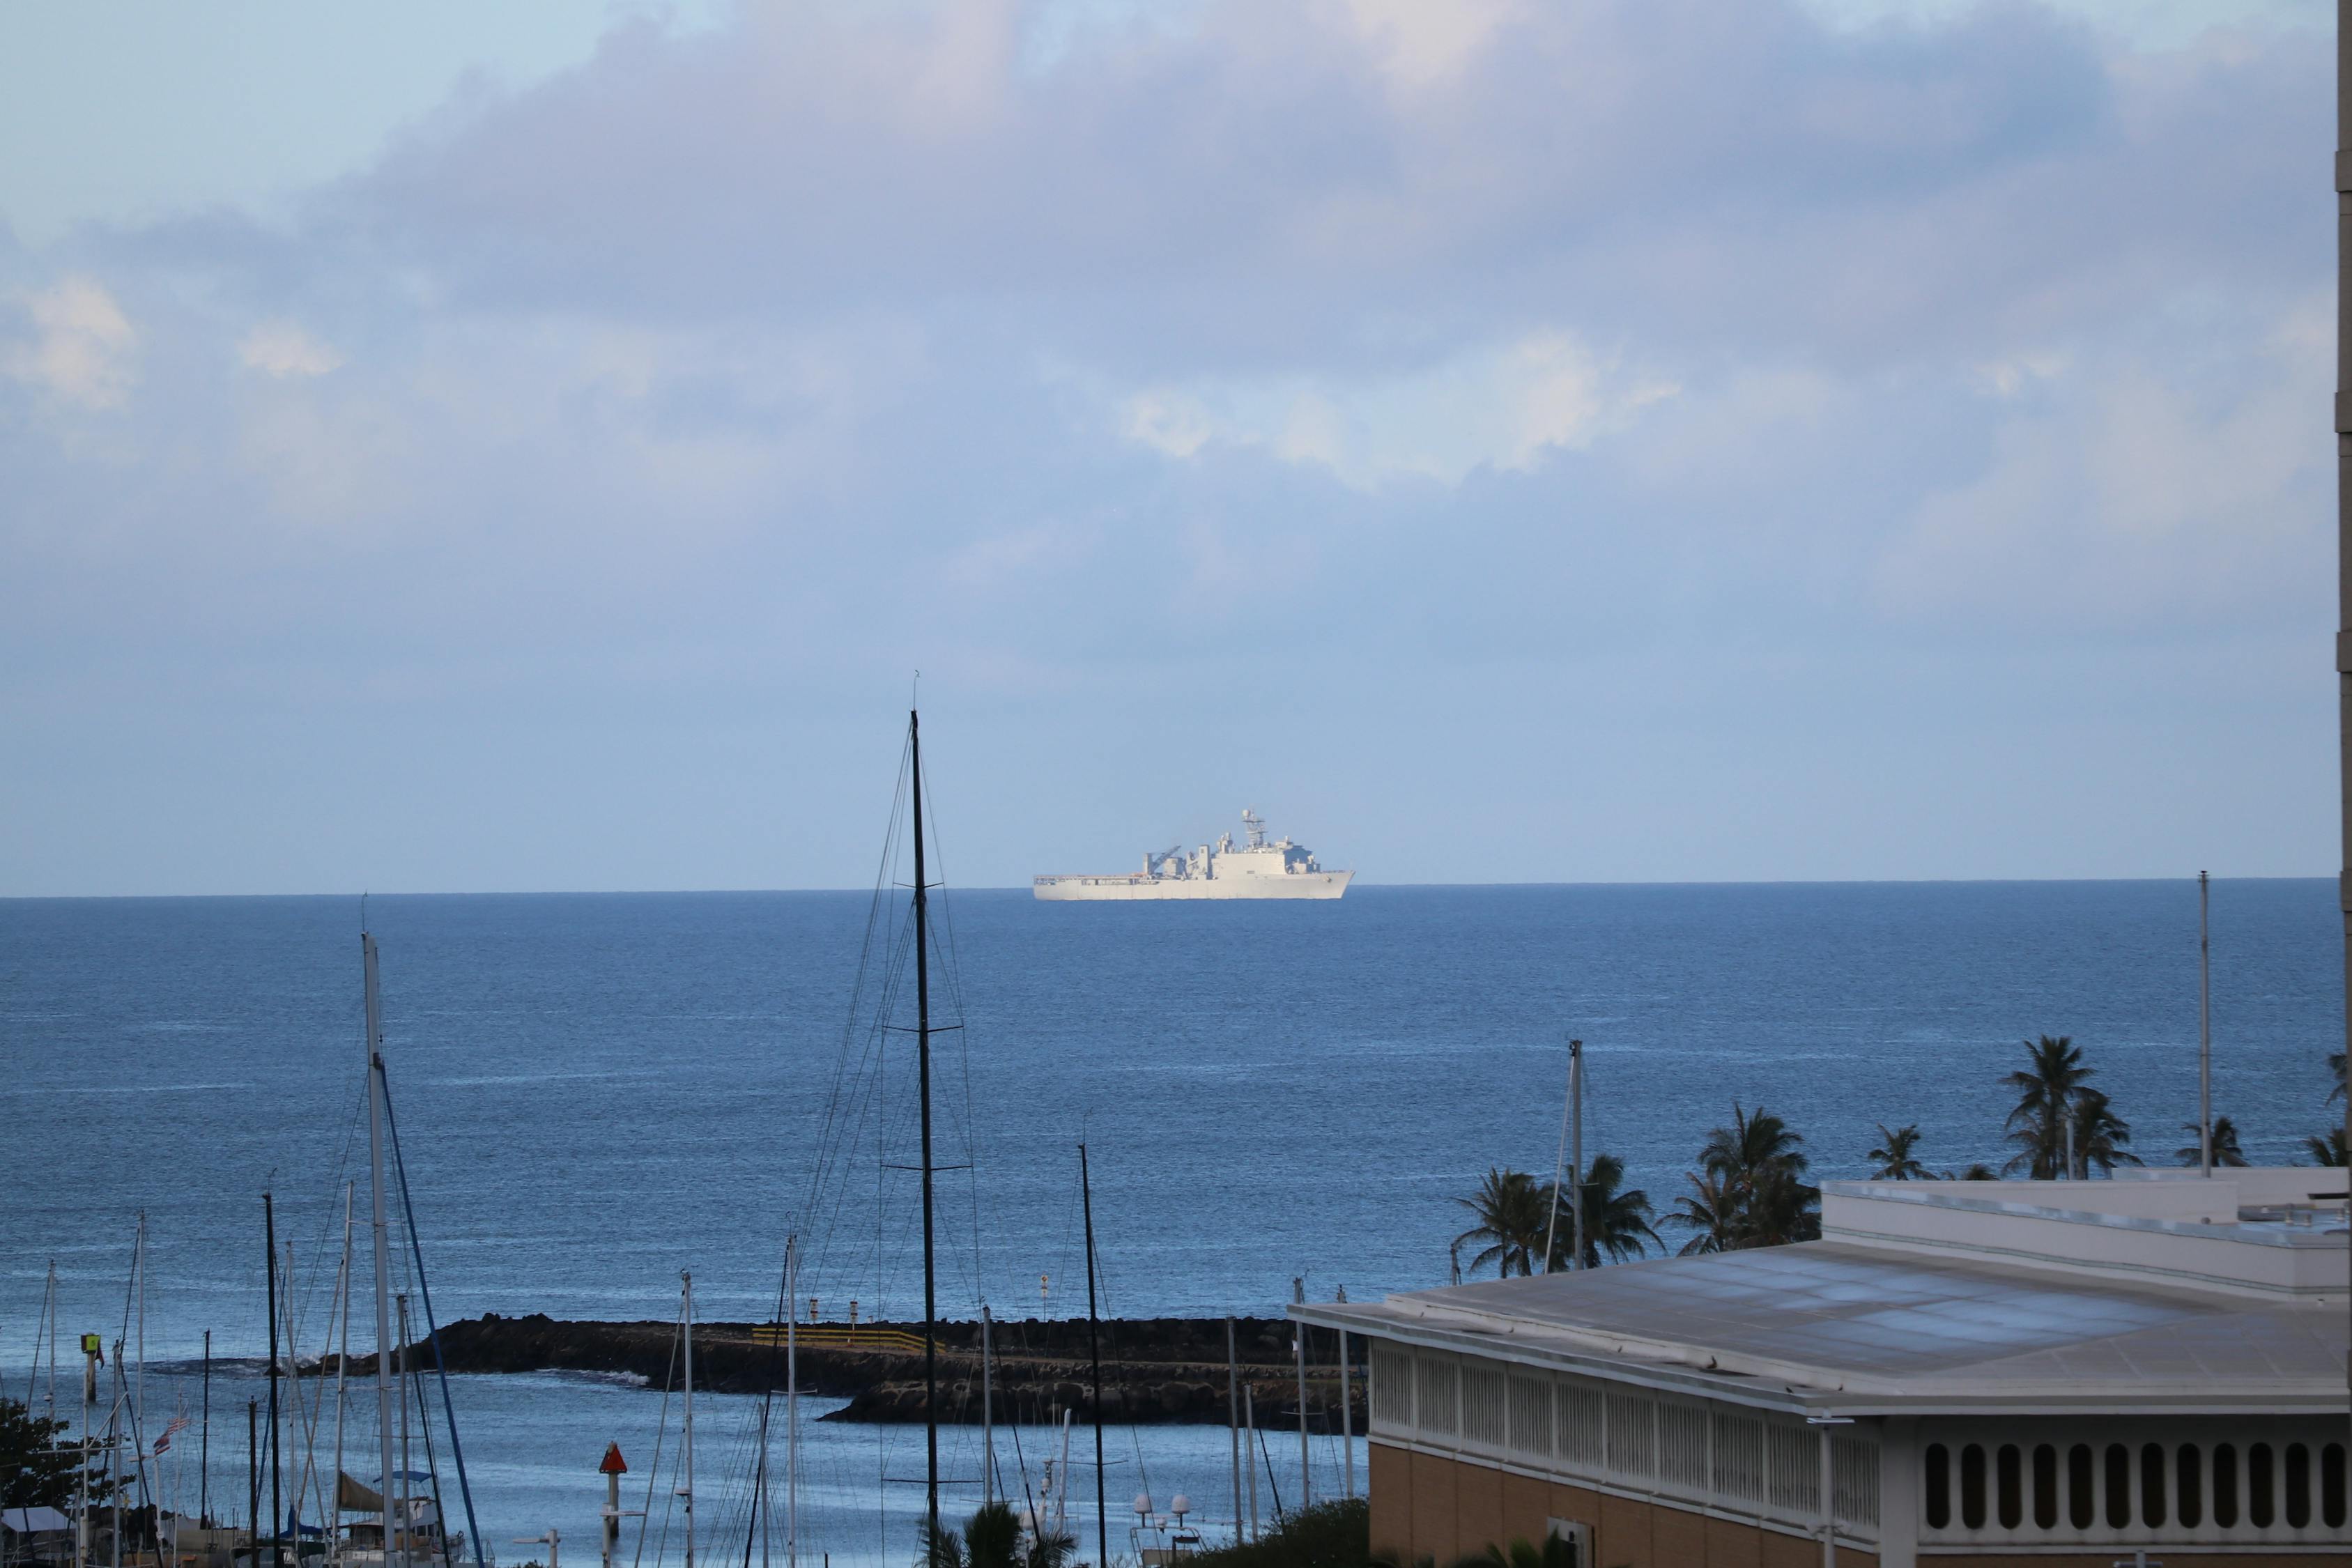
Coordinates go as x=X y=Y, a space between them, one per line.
x=1514 y=1211
x=1761 y=1164
x=2046 y=1087
x=2335 y=1065
x=1616 y=1222
x=2100 y=1134
x=1895 y=1161
x=2325 y=1149
x=1709 y=1211
x=1978 y=1172
x=2225 y=1145
x=992 y=1538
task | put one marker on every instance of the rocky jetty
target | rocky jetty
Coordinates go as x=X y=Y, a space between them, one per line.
x=1155 y=1369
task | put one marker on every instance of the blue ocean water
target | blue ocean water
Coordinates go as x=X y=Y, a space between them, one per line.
x=595 y=1092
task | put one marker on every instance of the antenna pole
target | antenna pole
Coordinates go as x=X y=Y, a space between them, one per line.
x=923 y=1073
x=1094 y=1351
x=2204 y=1038
x=382 y=1238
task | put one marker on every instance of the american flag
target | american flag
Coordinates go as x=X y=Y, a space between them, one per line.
x=163 y=1443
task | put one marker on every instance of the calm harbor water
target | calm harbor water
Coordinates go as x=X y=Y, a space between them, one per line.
x=595 y=1092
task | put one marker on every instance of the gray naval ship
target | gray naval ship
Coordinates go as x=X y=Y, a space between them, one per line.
x=1224 y=869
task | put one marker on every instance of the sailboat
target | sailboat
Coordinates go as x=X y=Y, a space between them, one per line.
x=408 y=1530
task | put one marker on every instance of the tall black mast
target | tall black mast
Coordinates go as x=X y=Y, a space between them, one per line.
x=1094 y=1350
x=923 y=1071
x=270 y=1234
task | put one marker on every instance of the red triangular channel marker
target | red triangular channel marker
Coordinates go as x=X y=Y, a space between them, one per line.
x=613 y=1464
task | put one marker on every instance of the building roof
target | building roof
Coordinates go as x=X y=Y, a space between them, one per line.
x=1909 y=1313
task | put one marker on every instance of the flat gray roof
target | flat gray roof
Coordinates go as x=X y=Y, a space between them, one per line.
x=1825 y=1317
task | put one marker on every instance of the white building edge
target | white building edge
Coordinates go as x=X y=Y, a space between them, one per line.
x=2043 y=1372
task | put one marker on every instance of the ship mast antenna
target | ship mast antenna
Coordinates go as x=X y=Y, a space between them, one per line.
x=1257 y=827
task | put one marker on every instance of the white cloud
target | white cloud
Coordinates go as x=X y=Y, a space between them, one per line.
x=282 y=349
x=1504 y=407
x=83 y=351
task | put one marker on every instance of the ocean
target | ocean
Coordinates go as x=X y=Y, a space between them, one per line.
x=595 y=1092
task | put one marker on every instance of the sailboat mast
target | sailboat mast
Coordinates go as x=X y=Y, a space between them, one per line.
x=1576 y=1145
x=791 y=1403
x=1094 y=1353
x=382 y=1245
x=686 y=1319
x=923 y=1074
x=270 y=1234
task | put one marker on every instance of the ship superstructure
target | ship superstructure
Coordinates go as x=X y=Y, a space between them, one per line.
x=1257 y=870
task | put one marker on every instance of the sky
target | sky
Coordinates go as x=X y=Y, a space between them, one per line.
x=536 y=446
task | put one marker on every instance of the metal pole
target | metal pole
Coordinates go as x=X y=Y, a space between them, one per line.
x=253 y=1478
x=1298 y=1352
x=382 y=1238
x=1094 y=1353
x=1347 y=1421
x=793 y=1406
x=923 y=1073
x=1828 y=1515
x=89 y=1398
x=400 y=1309
x=269 y=1233
x=2204 y=1038
x=686 y=1310
x=1576 y=1143
x=1233 y=1421
x=1559 y=1166
x=2343 y=422
x=204 y=1444
x=1249 y=1433
x=987 y=1413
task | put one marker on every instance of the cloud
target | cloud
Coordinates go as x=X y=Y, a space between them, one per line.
x=83 y=352
x=282 y=349
x=1504 y=407
x=1337 y=347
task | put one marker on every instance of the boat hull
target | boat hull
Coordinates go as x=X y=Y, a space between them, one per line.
x=1293 y=885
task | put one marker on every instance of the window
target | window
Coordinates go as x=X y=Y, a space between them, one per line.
x=1391 y=1386
x=1482 y=1405
x=2119 y=1486
x=2151 y=1484
x=1531 y=1416
x=2008 y=1487
x=2331 y=1486
x=1682 y=1443
x=2298 y=1486
x=2225 y=1485
x=1580 y=1425
x=1739 y=1456
x=1973 y=1487
x=2260 y=1508
x=2045 y=1487
x=1633 y=1436
x=2187 y=1486
x=1939 y=1487
x=2081 y=1501
x=1435 y=1381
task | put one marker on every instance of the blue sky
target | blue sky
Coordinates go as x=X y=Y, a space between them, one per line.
x=533 y=447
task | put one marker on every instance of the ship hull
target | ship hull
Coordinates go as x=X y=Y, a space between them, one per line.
x=1294 y=885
